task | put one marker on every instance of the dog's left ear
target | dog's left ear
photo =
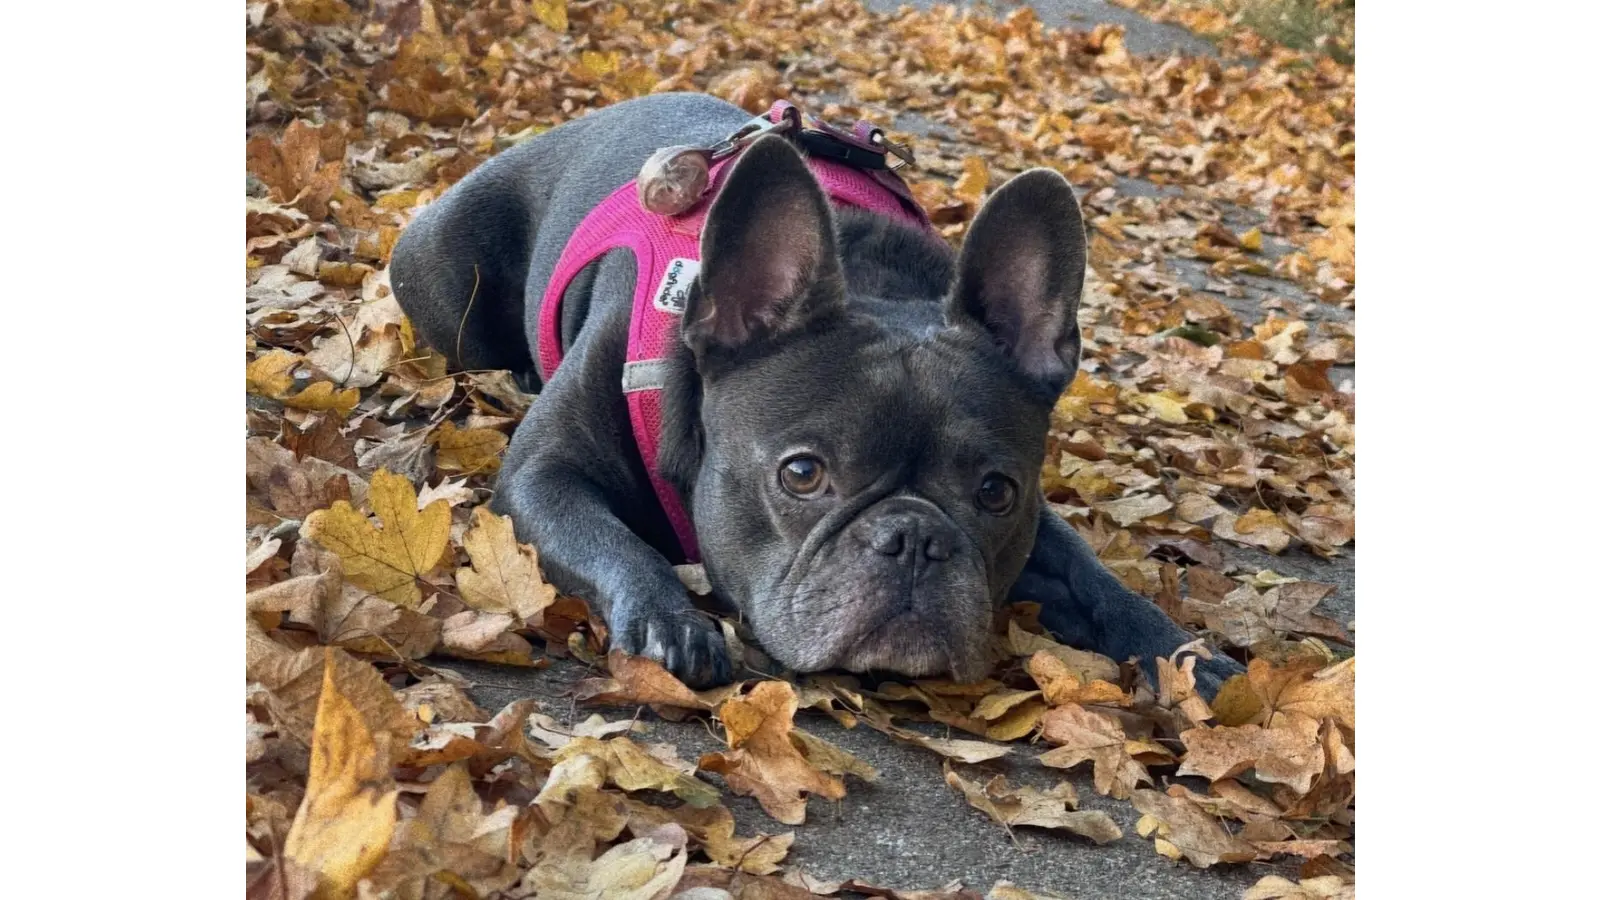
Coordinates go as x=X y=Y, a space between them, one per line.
x=769 y=263
x=1020 y=275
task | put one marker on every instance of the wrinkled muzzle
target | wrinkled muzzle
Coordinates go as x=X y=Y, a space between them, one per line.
x=900 y=588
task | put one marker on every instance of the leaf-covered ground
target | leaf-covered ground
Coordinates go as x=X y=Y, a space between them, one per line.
x=1213 y=422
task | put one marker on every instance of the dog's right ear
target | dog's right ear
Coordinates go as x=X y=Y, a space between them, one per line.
x=769 y=262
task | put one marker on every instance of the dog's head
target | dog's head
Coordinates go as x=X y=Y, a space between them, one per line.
x=862 y=438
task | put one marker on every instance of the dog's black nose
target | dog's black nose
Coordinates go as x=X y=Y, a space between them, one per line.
x=903 y=534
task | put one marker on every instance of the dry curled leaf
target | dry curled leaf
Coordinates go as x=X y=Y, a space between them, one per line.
x=1326 y=693
x=950 y=748
x=1246 y=616
x=1175 y=687
x=1055 y=808
x=713 y=828
x=644 y=868
x=1288 y=754
x=640 y=680
x=505 y=576
x=1086 y=666
x=974 y=180
x=1061 y=685
x=630 y=768
x=762 y=760
x=451 y=836
x=831 y=758
x=1184 y=831
x=343 y=826
x=1323 y=887
x=1084 y=735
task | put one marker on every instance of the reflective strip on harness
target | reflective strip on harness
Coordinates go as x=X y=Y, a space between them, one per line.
x=644 y=375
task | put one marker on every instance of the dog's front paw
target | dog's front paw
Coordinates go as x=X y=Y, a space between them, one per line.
x=1209 y=674
x=686 y=641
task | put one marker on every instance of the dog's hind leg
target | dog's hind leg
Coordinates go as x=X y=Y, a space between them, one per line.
x=460 y=272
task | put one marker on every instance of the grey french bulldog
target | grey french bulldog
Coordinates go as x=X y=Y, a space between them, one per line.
x=855 y=416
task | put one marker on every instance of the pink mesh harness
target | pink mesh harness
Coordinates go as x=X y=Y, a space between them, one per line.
x=667 y=251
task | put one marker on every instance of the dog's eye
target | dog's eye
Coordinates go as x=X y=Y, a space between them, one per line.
x=997 y=494
x=803 y=476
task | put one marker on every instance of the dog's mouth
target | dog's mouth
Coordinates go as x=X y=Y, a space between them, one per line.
x=858 y=629
x=908 y=644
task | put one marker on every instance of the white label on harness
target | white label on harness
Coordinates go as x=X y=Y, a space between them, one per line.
x=673 y=293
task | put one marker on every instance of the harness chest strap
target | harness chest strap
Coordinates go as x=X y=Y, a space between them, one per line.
x=666 y=250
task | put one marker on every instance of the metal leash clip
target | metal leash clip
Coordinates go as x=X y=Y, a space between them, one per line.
x=674 y=179
x=754 y=130
x=899 y=151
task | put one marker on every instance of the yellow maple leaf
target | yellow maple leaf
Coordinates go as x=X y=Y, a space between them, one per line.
x=269 y=376
x=386 y=562
x=272 y=376
x=1165 y=406
x=1236 y=702
x=322 y=396
x=504 y=577
x=974 y=179
x=470 y=451
x=343 y=826
x=599 y=64
x=637 y=80
x=553 y=13
x=1337 y=245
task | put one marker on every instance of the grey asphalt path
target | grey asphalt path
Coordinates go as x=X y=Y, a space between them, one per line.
x=910 y=830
